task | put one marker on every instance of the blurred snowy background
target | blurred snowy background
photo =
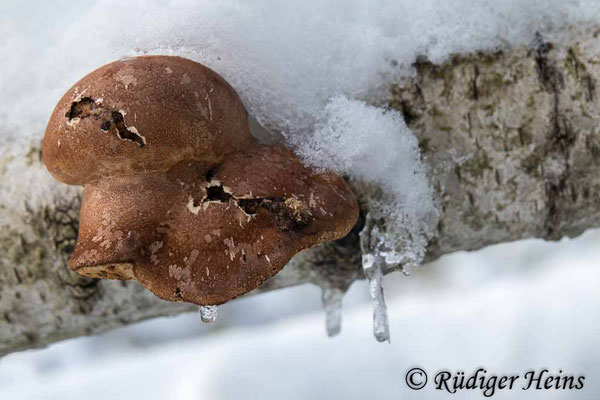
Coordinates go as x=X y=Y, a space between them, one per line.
x=509 y=308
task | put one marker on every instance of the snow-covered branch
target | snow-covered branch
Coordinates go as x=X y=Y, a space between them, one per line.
x=511 y=139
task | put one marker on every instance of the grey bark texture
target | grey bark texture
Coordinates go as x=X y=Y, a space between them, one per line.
x=511 y=138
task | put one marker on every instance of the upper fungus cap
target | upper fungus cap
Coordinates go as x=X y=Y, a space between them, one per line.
x=183 y=109
x=178 y=195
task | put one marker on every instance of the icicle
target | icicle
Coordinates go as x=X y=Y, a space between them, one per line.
x=373 y=264
x=373 y=267
x=208 y=313
x=332 y=303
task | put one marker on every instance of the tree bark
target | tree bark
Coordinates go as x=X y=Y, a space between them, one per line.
x=512 y=140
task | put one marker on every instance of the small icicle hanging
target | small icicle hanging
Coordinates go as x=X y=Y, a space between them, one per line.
x=208 y=314
x=332 y=303
x=373 y=266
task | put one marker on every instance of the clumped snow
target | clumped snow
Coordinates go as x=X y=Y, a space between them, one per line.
x=303 y=70
x=374 y=145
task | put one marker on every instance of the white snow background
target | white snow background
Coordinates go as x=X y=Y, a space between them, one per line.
x=304 y=69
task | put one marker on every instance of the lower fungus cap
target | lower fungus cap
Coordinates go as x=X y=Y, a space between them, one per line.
x=206 y=236
x=207 y=227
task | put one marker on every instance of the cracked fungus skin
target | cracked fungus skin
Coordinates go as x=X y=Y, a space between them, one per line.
x=178 y=194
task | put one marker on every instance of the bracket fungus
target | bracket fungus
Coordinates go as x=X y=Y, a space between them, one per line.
x=177 y=193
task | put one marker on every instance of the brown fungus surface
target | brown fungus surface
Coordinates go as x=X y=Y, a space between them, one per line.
x=178 y=194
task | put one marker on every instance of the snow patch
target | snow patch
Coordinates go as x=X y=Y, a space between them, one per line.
x=375 y=146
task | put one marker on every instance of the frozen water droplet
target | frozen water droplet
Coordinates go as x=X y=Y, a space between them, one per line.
x=374 y=273
x=208 y=313
x=332 y=303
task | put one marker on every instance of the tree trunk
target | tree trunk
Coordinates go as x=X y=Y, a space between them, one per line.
x=512 y=140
